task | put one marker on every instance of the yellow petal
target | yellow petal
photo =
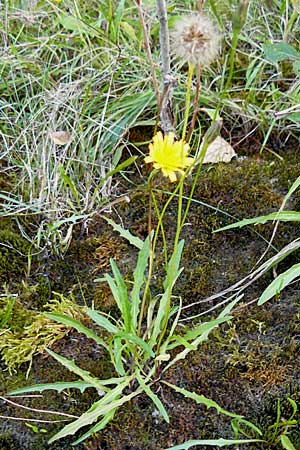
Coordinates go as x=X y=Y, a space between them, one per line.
x=148 y=159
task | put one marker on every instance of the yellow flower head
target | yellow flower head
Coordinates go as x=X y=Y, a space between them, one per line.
x=168 y=155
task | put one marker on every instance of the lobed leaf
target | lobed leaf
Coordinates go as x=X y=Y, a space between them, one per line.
x=73 y=323
x=133 y=240
x=212 y=442
x=102 y=321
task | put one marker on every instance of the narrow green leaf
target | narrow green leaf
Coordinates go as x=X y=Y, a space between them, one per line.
x=202 y=400
x=72 y=323
x=292 y=189
x=68 y=182
x=153 y=397
x=294 y=406
x=284 y=216
x=133 y=240
x=138 y=276
x=108 y=403
x=84 y=374
x=177 y=341
x=137 y=341
x=213 y=443
x=114 y=291
x=119 y=13
x=203 y=337
x=96 y=428
x=129 y=30
x=59 y=387
x=280 y=282
x=160 y=316
x=102 y=321
x=286 y=443
x=204 y=327
x=173 y=265
x=118 y=348
x=123 y=296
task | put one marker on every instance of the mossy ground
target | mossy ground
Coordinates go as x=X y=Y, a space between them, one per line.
x=246 y=365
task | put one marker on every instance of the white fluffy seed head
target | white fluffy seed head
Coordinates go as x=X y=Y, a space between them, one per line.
x=194 y=39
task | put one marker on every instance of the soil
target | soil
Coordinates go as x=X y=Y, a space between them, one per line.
x=250 y=365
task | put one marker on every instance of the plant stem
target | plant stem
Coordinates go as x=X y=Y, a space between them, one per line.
x=148 y=50
x=187 y=99
x=196 y=103
x=171 y=273
x=165 y=107
x=235 y=38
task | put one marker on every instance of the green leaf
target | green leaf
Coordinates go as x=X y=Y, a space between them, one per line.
x=213 y=443
x=203 y=337
x=72 y=323
x=202 y=400
x=123 y=296
x=296 y=67
x=236 y=426
x=68 y=182
x=96 y=428
x=119 y=13
x=153 y=397
x=116 y=170
x=137 y=341
x=129 y=30
x=173 y=269
x=118 y=348
x=286 y=443
x=177 y=340
x=115 y=291
x=292 y=189
x=279 y=52
x=133 y=240
x=59 y=387
x=72 y=23
x=108 y=403
x=284 y=216
x=173 y=265
x=84 y=374
x=138 y=276
x=62 y=385
x=204 y=327
x=102 y=321
x=280 y=282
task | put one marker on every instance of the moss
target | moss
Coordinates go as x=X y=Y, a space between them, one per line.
x=13 y=256
x=7 y=442
x=28 y=333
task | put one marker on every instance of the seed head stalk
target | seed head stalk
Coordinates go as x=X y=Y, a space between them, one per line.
x=187 y=99
x=172 y=268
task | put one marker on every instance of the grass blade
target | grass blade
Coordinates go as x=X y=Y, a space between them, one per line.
x=284 y=216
